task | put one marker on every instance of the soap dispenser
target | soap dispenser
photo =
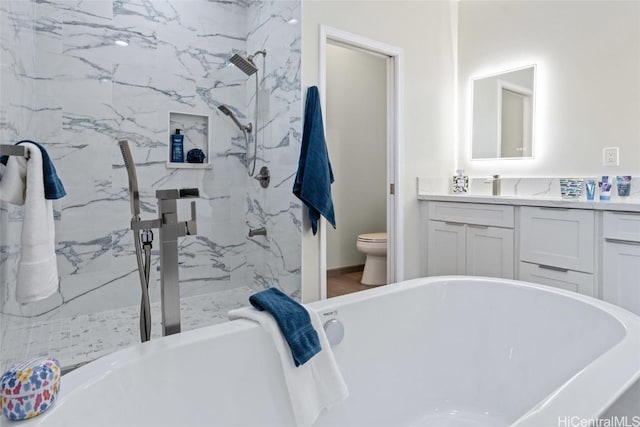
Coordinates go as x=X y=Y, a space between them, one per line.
x=177 y=147
x=460 y=182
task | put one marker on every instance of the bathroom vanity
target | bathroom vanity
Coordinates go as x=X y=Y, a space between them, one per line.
x=588 y=247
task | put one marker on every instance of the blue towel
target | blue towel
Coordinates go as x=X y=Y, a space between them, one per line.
x=314 y=177
x=293 y=320
x=53 y=188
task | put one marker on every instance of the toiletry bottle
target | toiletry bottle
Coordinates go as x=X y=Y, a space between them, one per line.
x=460 y=182
x=177 y=147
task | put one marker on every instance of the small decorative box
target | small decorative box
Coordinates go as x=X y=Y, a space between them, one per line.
x=571 y=188
x=460 y=182
x=30 y=388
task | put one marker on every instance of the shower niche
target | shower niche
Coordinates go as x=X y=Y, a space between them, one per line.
x=195 y=129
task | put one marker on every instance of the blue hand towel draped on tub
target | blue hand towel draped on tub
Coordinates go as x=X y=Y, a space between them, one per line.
x=314 y=177
x=293 y=321
x=297 y=331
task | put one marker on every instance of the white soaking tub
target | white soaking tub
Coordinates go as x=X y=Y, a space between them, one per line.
x=443 y=351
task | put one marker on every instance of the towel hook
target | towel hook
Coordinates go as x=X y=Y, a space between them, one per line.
x=13 y=150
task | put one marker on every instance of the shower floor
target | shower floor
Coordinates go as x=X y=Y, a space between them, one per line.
x=80 y=339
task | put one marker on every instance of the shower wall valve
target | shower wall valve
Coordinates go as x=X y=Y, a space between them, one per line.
x=264 y=177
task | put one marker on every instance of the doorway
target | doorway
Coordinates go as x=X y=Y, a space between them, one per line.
x=360 y=84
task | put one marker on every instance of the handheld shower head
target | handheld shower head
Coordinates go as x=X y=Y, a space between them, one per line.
x=133 y=177
x=227 y=112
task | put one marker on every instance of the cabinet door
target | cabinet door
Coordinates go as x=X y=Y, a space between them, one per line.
x=446 y=248
x=621 y=275
x=557 y=237
x=559 y=278
x=489 y=252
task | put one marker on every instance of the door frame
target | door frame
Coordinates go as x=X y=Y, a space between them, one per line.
x=395 y=144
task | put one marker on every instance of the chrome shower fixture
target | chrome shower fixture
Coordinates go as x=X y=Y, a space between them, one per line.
x=246 y=65
x=227 y=112
x=133 y=177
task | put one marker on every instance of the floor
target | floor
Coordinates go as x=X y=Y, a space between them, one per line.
x=345 y=283
x=77 y=340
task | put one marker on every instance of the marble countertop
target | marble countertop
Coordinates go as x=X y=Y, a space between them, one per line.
x=617 y=204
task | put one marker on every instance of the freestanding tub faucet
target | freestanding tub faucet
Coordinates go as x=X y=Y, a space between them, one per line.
x=170 y=230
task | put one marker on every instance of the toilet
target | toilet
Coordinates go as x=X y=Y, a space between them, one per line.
x=374 y=246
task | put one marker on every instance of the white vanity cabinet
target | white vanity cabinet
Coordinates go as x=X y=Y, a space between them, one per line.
x=592 y=248
x=621 y=260
x=469 y=238
x=557 y=248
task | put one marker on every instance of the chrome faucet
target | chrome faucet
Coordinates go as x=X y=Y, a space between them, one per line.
x=495 y=185
x=170 y=230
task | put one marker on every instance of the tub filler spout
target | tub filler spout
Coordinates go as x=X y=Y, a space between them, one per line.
x=257 y=232
x=170 y=230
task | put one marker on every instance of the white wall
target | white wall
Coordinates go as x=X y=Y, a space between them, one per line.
x=424 y=31
x=587 y=88
x=356 y=136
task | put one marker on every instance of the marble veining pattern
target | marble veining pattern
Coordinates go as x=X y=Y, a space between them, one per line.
x=65 y=83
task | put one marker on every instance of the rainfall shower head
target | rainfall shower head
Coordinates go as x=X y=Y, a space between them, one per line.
x=246 y=65
x=227 y=112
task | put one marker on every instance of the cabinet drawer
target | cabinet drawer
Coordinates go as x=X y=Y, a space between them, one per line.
x=570 y=280
x=622 y=226
x=558 y=237
x=472 y=213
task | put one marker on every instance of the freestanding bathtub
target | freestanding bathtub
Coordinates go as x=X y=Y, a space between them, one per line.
x=444 y=351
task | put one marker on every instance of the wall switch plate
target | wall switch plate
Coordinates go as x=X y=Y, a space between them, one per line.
x=611 y=156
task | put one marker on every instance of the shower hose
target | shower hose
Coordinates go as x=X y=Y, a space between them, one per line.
x=255 y=137
x=143 y=242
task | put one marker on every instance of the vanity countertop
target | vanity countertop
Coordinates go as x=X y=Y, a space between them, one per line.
x=617 y=204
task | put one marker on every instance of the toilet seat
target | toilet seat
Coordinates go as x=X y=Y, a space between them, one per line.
x=373 y=237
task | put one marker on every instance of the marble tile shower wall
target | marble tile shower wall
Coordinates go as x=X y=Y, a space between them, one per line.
x=65 y=83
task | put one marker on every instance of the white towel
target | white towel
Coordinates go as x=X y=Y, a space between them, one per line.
x=313 y=386
x=22 y=183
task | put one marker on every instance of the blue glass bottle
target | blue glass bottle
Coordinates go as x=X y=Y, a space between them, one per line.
x=177 y=147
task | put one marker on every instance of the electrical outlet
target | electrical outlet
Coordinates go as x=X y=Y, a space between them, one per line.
x=611 y=156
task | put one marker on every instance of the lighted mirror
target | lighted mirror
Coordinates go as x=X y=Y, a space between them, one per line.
x=502 y=119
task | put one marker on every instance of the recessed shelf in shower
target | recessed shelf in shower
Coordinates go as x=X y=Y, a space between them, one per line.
x=196 y=131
